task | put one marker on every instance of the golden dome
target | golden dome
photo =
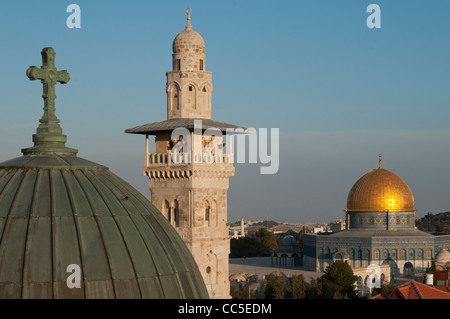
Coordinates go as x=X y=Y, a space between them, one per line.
x=380 y=190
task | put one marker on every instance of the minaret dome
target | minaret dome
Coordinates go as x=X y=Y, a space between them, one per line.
x=188 y=49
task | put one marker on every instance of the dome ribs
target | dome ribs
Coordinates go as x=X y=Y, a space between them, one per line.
x=96 y=271
x=141 y=262
x=156 y=239
x=189 y=272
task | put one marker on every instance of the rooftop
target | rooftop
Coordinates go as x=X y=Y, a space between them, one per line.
x=188 y=123
x=413 y=290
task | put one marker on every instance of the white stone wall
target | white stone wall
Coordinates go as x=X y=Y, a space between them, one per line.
x=202 y=202
x=193 y=91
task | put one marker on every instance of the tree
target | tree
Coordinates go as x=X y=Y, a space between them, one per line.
x=384 y=287
x=296 y=287
x=240 y=291
x=247 y=247
x=440 y=226
x=258 y=244
x=266 y=238
x=432 y=268
x=419 y=224
x=439 y=222
x=313 y=289
x=275 y=287
x=339 y=281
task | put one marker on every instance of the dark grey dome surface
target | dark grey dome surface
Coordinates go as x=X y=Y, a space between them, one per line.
x=61 y=210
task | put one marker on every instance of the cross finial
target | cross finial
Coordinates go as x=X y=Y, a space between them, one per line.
x=48 y=137
x=188 y=25
x=379 y=160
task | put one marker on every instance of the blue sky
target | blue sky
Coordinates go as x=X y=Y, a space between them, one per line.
x=339 y=92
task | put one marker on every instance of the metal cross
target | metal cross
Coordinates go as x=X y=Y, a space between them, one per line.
x=49 y=76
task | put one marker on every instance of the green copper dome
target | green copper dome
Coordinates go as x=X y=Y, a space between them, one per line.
x=57 y=210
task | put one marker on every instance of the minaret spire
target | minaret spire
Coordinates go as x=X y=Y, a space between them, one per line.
x=188 y=25
x=379 y=160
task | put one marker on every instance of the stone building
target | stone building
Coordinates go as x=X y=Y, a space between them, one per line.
x=380 y=230
x=288 y=254
x=338 y=225
x=189 y=173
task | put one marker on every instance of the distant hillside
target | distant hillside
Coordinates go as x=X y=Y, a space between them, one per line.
x=434 y=223
x=256 y=223
x=276 y=227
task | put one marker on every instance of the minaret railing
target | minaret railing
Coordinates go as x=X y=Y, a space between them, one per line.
x=185 y=158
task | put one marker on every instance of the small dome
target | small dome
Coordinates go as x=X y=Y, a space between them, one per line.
x=278 y=273
x=288 y=241
x=238 y=277
x=443 y=257
x=380 y=190
x=188 y=41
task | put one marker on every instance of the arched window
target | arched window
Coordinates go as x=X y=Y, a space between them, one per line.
x=173 y=97
x=208 y=215
x=176 y=214
x=420 y=253
x=411 y=254
x=175 y=101
x=167 y=211
x=394 y=253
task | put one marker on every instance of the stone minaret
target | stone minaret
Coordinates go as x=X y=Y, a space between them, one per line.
x=189 y=184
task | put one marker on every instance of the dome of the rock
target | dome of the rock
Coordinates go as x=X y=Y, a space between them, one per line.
x=379 y=191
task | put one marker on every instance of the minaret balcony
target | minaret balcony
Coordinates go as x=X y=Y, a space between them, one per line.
x=186 y=159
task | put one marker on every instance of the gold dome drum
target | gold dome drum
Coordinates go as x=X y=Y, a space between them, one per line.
x=380 y=191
